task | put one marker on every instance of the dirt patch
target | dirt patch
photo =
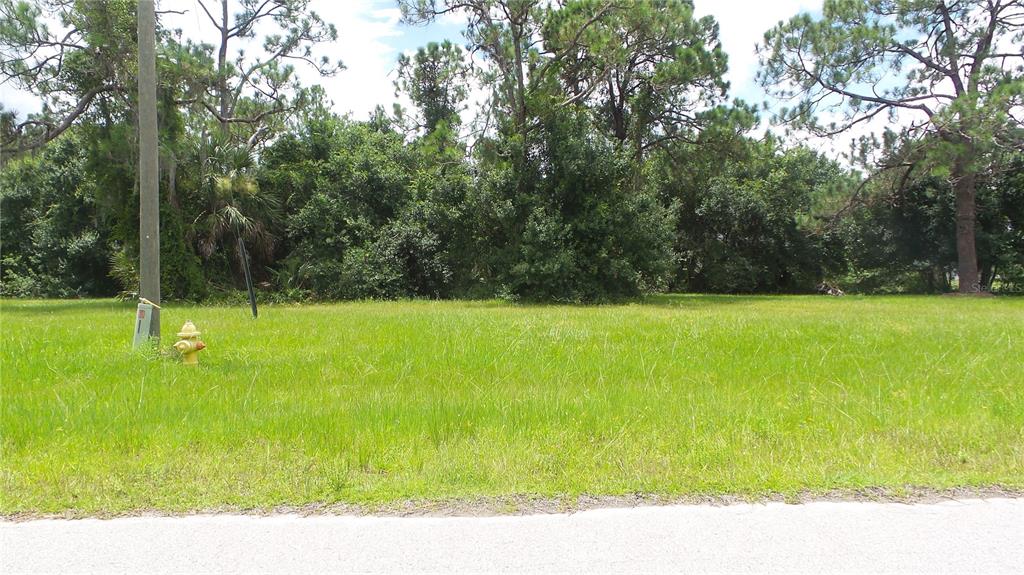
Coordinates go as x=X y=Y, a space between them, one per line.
x=538 y=505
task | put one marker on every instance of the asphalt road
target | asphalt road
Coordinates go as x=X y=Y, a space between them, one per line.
x=968 y=536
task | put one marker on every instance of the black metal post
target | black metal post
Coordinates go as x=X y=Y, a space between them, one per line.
x=244 y=254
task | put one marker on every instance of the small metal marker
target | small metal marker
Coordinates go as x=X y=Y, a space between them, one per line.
x=143 y=319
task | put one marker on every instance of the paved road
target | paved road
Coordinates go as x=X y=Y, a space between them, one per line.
x=969 y=536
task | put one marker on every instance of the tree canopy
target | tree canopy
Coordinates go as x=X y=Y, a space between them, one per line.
x=608 y=162
x=956 y=66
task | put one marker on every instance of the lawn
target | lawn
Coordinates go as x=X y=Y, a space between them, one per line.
x=378 y=403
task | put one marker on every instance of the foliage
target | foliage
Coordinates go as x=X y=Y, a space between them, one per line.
x=435 y=79
x=125 y=270
x=251 y=92
x=751 y=225
x=231 y=203
x=606 y=164
x=83 y=64
x=648 y=68
x=181 y=272
x=51 y=229
x=344 y=183
x=578 y=230
x=901 y=238
x=958 y=76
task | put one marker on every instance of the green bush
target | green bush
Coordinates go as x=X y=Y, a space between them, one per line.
x=579 y=226
x=747 y=222
x=52 y=233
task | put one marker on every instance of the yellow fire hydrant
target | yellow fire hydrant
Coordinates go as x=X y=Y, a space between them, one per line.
x=189 y=345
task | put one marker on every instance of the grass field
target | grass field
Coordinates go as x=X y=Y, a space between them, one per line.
x=377 y=403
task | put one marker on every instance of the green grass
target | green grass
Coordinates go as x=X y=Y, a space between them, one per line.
x=381 y=402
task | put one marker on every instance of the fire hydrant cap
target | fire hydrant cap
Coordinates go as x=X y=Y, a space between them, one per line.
x=188 y=330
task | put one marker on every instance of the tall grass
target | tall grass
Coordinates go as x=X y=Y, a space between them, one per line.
x=380 y=402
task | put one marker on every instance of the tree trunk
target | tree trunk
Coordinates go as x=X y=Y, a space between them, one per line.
x=172 y=176
x=222 y=57
x=988 y=275
x=618 y=112
x=964 y=178
x=520 y=102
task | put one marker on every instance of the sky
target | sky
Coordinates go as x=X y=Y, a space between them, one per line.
x=371 y=37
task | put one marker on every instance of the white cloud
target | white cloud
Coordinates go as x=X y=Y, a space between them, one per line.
x=742 y=24
x=364 y=29
x=363 y=33
x=22 y=102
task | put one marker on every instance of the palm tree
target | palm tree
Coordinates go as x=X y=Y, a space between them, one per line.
x=236 y=207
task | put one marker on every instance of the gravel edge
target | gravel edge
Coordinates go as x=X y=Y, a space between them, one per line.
x=524 y=504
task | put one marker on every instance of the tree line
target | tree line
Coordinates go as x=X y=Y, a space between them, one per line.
x=608 y=161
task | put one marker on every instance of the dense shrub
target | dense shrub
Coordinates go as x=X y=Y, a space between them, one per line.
x=902 y=240
x=359 y=210
x=52 y=236
x=748 y=222
x=371 y=217
x=576 y=224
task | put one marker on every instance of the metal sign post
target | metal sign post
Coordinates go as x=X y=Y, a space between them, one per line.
x=244 y=254
x=144 y=317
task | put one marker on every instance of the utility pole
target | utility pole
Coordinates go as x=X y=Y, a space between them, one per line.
x=149 y=192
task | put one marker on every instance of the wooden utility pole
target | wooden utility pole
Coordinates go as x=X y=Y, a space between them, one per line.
x=149 y=193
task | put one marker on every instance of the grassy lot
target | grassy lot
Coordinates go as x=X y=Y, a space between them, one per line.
x=381 y=402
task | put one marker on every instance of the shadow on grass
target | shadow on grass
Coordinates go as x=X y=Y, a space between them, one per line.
x=30 y=307
x=674 y=300
x=656 y=300
x=706 y=300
